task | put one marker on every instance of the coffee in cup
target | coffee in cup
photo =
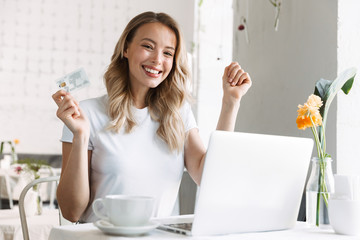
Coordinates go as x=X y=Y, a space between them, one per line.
x=124 y=210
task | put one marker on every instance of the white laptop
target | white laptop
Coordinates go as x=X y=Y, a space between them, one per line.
x=250 y=183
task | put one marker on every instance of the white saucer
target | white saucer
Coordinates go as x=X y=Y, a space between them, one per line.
x=109 y=228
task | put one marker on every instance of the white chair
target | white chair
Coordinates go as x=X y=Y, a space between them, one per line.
x=24 y=225
x=52 y=191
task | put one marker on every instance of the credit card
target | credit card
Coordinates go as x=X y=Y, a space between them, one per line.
x=73 y=81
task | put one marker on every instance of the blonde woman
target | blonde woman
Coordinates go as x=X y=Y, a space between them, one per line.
x=138 y=138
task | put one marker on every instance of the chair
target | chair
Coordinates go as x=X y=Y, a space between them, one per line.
x=24 y=225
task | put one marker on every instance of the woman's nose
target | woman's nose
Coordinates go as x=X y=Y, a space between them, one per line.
x=156 y=57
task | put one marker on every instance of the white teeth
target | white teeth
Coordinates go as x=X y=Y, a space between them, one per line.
x=152 y=71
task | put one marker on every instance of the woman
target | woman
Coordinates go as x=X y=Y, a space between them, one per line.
x=138 y=138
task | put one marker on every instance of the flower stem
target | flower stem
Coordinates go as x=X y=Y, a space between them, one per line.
x=322 y=189
x=318 y=208
x=318 y=196
x=316 y=137
x=323 y=183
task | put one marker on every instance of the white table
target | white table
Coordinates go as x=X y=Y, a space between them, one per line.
x=39 y=225
x=301 y=231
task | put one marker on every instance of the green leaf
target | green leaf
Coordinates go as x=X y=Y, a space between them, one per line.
x=321 y=88
x=327 y=90
x=342 y=80
x=347 y=86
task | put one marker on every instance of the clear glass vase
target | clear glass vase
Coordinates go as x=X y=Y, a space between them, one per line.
x=39 y=203
x=318 y=189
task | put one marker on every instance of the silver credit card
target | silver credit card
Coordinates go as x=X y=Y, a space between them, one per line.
x=73 y=81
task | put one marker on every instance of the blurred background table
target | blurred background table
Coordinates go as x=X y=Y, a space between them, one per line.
x=39 y=225
x=11 y=185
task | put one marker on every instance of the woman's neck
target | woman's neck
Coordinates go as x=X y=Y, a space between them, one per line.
x=139 y=99
x=139 y=104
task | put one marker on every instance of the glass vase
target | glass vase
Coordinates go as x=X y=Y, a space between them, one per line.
x=318 y=189
x=39 y=203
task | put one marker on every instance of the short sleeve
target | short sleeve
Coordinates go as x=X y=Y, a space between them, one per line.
x=67 y=135
x=188 y=117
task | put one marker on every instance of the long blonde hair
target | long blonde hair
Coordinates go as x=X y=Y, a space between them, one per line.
x=164 y=101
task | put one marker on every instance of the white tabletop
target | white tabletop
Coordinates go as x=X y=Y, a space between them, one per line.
x=39 y=225
x=301 y=231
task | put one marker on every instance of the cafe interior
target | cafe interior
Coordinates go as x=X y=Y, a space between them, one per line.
x=286 y=46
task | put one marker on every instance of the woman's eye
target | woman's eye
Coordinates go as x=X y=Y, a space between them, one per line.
x=147 y=46
x=168 y=54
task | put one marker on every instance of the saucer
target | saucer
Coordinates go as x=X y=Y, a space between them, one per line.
x=109 y=228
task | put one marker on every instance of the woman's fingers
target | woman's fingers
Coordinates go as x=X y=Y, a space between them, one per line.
x=69 y=113
x=68 y=105
x=241 y=77
x=235 y=74
x=231 y=70
x=236 y=82
x=58 y=96
x=244 y=79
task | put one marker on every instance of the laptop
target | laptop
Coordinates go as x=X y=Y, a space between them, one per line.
x=250 y=183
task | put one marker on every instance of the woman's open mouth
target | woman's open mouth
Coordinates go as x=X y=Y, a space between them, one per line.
x=151 y=72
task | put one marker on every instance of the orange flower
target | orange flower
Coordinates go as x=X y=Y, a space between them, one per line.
x=304 y=122
x=308 y=114
x=314 y=101
x=16 y=141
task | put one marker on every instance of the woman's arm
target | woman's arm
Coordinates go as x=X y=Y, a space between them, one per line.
x=236 y=82
x=73 y=192
x=194 y=154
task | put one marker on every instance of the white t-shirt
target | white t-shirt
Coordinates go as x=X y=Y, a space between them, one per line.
x=136 y=163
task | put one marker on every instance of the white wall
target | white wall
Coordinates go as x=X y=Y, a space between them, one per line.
x=214 y=52
x=41 y=41
x=285 y=65
x=348 y=116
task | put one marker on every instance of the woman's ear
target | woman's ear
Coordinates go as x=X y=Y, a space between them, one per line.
x=125 y=53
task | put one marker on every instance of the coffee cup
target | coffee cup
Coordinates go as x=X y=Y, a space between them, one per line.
x=344 y=205
x=124 y=210
x=344 y=216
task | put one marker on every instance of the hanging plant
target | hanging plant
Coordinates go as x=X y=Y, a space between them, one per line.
x=243 y=27
x=277 y=5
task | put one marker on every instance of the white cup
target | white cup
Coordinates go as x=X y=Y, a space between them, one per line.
x=344 y=205
x=347 y=187
x=344 y=216
x=125 y=210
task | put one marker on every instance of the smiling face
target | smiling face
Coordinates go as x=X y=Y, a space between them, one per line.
x=150 y=56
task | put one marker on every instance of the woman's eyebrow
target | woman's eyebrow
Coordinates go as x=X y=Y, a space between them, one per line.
x=150 y=40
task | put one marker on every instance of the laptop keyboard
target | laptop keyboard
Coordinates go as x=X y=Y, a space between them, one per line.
x=184 y=226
